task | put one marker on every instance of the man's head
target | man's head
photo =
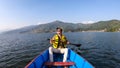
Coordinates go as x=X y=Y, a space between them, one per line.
x=59 y=30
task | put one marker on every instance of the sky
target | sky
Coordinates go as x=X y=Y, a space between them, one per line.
x=20 y=13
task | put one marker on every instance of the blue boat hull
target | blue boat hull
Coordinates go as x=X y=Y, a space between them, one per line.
x=39 y=61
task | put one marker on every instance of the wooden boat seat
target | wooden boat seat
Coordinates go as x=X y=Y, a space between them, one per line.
x=59 y=63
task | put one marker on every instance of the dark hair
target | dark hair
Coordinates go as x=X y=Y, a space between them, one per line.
x=59 y=28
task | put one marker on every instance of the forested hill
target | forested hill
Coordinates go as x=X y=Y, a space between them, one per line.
x=106 y=26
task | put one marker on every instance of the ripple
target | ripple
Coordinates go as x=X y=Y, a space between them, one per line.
x=100 y=49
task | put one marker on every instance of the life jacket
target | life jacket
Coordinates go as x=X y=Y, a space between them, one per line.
x=57 y=41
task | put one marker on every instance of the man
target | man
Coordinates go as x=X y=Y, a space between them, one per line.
x=59 y=43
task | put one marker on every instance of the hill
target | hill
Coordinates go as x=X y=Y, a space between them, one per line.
x=106 y=26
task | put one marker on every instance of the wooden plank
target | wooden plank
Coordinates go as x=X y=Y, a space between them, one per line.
x=59 y=63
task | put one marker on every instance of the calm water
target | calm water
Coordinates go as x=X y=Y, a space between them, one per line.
x=101 y=49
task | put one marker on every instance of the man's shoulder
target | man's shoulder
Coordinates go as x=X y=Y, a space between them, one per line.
x=55 y=35
x=63 y=35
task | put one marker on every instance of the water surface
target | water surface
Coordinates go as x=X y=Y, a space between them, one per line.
x=101 y=49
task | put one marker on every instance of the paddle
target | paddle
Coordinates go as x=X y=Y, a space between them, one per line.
x=78 y=45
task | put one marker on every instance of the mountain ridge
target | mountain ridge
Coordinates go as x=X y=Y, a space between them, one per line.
x=105 y=26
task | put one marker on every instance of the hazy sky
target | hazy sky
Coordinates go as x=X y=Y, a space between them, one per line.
x=19 y=13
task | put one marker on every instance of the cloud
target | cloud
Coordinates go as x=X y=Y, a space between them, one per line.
x=41 y=23
x=10 y=26
x=88 y=22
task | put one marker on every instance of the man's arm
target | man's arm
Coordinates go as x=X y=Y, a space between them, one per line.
x=66 y=41
x=52 y=40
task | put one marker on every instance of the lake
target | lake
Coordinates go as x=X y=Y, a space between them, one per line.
x=101 y=49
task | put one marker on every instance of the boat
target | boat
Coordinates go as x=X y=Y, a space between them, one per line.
x=73 y=61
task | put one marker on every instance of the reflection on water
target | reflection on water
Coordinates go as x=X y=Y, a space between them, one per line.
x=100 y=49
